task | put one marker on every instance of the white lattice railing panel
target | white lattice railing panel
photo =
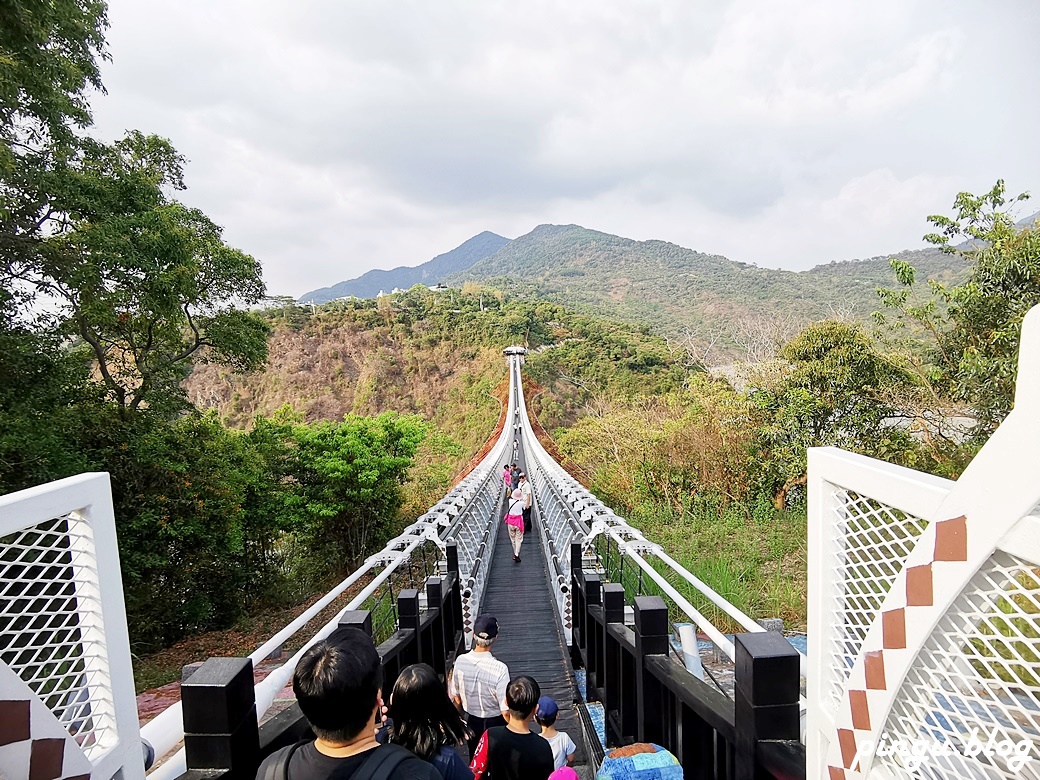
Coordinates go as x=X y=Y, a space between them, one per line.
x=977 y=681
x=871 y=543
x=945 y=680
x=48 y=591
x=63 y=636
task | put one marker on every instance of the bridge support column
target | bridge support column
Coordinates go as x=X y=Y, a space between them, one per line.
x=219 y=709
x=766 y=699
x=652 y=637
x=590 y=636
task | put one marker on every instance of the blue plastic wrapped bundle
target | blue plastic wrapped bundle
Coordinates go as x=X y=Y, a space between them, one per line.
x=642 y=761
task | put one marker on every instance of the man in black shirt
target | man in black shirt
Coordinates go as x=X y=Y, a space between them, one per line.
x=513 y=752
x=337 y=684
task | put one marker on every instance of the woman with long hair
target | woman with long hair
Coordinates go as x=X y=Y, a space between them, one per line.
x=425 y=721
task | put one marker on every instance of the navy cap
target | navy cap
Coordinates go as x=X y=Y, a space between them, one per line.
x=547 y=707
x=485 y=627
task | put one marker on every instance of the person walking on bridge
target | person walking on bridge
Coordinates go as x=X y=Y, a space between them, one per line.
x=338 y=684
x=479 y=680
x=513 y=752
x=515 y=522
x=525 y=488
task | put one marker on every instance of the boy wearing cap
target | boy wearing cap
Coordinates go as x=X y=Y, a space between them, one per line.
x=563 y=747
x=337 y=684
x=479 y=680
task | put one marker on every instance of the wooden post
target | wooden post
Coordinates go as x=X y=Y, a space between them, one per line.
x=357 y=618
x=766 y=699
x=652 y=638
x=438 y=643
x=590 y=635
x=219 y=710
x=610 y=657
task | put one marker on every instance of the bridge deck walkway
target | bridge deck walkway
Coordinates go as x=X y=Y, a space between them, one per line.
x=530 y=638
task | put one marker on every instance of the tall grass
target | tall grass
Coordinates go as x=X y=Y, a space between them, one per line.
x=752 y=554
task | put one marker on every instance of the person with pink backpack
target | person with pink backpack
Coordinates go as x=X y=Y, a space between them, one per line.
x=515 y=521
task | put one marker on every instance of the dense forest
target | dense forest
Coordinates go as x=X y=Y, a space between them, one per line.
x=259 y=449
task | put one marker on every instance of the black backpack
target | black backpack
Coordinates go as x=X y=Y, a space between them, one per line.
x=380 y=765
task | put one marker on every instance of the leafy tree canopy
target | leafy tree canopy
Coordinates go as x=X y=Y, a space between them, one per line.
x=146 y=282
x=832 y=388
x=972 y=329
x=49 y=54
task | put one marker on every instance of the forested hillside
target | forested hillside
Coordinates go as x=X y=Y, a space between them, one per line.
x=717 y=306
x=714 y=303
x=439 y=355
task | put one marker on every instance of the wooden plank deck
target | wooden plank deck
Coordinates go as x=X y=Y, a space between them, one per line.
x=530 y=639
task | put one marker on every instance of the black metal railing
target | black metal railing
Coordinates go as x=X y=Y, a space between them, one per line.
x=649 y=697
x=221 y=736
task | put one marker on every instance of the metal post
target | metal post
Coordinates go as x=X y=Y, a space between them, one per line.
x=578 y=614
x=766 y=699
x=219 y=710
x=590 y=635
x=451 y=552
x=408 y=609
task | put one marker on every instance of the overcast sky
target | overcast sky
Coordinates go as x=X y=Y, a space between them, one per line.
x=332 y=137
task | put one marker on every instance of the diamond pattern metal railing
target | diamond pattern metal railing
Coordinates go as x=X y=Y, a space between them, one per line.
x=977 y=678
x=48 y=590
x=870 y=542
x=63 y=622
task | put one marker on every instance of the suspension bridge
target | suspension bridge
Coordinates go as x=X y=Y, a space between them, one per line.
x=924 y=626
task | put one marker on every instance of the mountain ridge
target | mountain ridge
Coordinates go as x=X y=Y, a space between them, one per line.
x=371 y=283
x=705 y=302
x=702 y=298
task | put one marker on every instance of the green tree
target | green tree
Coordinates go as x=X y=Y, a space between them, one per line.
x=49 y=62
x=831 y=388
x=45 y=405
x=146 y=282
x=972 y=329
x=347 y=489
x=193 y=505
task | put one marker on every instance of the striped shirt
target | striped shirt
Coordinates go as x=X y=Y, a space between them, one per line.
x=480 y=680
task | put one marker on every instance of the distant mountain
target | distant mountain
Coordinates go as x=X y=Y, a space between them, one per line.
x=680 y=291
x=368 y=285
x=1029 y=221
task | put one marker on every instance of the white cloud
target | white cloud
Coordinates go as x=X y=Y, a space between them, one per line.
x=330 y=138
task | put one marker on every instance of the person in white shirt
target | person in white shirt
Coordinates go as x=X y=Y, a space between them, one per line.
x=562 y=745
x=525 y=488
x=479 y=681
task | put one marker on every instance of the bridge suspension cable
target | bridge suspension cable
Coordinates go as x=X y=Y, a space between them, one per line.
x=572 y=513
x=466 y=515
